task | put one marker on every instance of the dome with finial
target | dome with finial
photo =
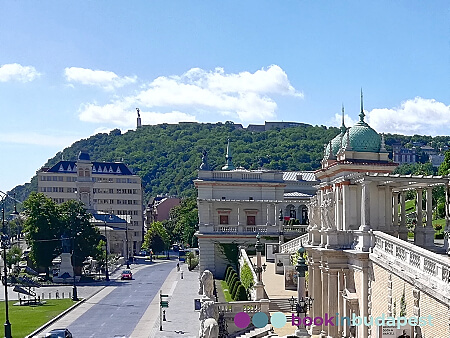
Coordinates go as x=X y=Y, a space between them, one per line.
x=336 y=143
x=361 y=136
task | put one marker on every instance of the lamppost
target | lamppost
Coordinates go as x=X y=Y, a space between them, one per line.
x=302 y=304
x=5 y=244
x=75 y=291
x=126 y=239
x=280 y=226
x=106 y=253
x=259 y=286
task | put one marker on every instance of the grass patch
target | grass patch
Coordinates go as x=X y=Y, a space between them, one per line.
x=410 y=206
x=26 y=319
x=226 y=291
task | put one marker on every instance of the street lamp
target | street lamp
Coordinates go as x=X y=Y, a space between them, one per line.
x=75 y=291
x=280 y=227
x=126 y=239
x=5 y=244
x=106 y=253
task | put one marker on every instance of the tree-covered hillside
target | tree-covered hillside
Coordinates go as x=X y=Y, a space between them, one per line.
x=167 y=156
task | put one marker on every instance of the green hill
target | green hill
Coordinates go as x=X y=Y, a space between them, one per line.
x=167 y=156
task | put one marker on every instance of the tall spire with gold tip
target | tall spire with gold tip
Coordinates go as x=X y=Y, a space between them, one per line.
x=229 y=165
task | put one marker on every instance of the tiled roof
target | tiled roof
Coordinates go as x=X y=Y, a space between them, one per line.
x=299 y=176
x=116 y=168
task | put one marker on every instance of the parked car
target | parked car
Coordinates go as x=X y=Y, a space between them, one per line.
x=59 y=333
x=127 y=274
x=143 y=253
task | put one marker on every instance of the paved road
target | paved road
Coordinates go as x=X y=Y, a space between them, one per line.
x=118 y=313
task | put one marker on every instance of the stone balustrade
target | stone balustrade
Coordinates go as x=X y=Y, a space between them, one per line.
x=231 y=308
x=425 y=266
x=251 y=229
x=293 y=245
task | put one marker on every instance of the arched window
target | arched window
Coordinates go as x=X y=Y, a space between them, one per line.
x=291 y=212
x=81 y=172
x=87 y=173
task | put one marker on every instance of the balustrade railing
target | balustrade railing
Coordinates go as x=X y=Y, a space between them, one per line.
x=229 y=309
x=293 y=245
x=251 y=229
x=424 y=264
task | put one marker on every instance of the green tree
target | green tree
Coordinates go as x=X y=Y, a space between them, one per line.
x=74 y=220
x=156 y=238
x=42 y=226
x=184 y=222
x=13 y=256
x=46 y=223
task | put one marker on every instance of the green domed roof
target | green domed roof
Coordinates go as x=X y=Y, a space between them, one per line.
x=336 y=142
x=362 y=137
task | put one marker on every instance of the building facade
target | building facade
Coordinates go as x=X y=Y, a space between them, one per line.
x=361 y=262
x=105 y=187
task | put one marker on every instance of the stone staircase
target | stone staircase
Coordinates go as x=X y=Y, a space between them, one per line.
x=265 y=331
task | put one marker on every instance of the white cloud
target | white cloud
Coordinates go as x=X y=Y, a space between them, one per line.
x=417 y=116
x=244 y=96
x=118 y=114
x=337 y=121
x=17 y=72
x=37 y=139
x=103 y=79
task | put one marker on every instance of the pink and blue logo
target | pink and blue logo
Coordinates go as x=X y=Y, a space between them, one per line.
x=260 y=319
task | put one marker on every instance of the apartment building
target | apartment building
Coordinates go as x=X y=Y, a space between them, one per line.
x=104 y=187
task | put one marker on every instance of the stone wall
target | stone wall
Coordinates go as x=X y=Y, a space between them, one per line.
x=418 y=303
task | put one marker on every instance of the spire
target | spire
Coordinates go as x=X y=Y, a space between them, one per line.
x=343 y=127
x=229 y=165
x=361 y=115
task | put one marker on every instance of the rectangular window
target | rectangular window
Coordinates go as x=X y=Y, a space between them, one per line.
x=223 y=219
x=111 y=201
x=251 y=220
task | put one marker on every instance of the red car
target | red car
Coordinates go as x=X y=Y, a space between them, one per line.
x=127 y=274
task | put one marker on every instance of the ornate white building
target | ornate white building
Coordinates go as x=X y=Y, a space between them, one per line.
x=234 y=205
x=360 y=259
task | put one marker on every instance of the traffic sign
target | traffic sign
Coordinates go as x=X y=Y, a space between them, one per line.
x=164 y=295
x=164 y=303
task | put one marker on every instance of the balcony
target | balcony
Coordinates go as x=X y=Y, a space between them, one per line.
x=251 y=229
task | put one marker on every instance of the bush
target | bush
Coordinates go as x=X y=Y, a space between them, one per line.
x=233 y=275
x=241 y=294
x=235 y=288
x=193 y=262
x=231 y=283
x=227 y=272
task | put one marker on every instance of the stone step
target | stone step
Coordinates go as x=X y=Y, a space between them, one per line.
x=258 y=332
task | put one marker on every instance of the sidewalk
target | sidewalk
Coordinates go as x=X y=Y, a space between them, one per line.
x=182 y=320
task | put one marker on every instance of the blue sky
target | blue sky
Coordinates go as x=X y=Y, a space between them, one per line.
x=71 y=69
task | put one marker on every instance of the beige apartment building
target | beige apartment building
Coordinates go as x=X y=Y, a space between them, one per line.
x=104 y=187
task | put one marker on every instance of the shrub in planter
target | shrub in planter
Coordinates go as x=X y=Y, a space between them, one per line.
x=231 y=283
x=241 y=294
x=227 y=272
x=232 y=276
x=235 y=288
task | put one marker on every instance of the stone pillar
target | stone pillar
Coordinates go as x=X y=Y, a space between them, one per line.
x=365 y=206
x=338 y=206
x=345 y=206
x=403 y=230
x=315 y=292
x=364 y=305
x=324 y=270
x=364 y=237
x=418 y=229
x=341 y=308
x=428 y=231
x=267 y=216
x=395 y=209
x=447 y=218
x=332 y=300
x=388 y=207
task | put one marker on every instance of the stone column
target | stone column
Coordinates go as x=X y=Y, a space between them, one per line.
x=364 y=305
x=345 y=206
x=332 y=300
x=324 y=331
x=388 y=207
x=341 y=300
x=418 y=229
x=428 y=231
x=365 y=206
x=337 y=207
x=267 y=215
x=403 y=230
x=447 y=217
x=364 y=238
x=395 y=209
x=315 y=292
